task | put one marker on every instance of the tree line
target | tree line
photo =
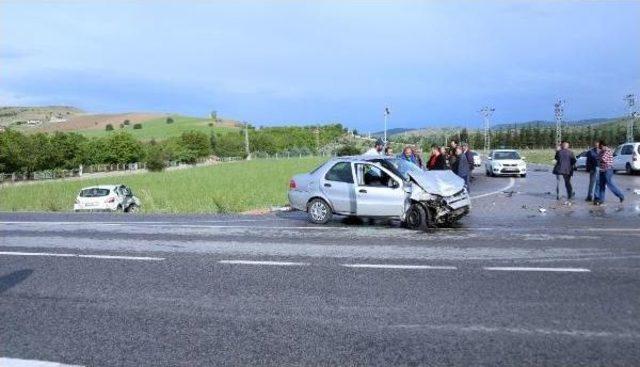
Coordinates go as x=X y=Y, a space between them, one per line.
x=27 y=153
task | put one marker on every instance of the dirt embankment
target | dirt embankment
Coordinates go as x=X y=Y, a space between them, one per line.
x=99 y=121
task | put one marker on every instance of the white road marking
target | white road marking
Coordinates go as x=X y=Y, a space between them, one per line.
x=108 y=257
x=14 y=362
x=512 y=182
x=516 y=268
x=400 y=266
x=174 y=225
x=273 y=263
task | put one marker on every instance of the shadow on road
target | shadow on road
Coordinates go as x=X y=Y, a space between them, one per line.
x=12 y=279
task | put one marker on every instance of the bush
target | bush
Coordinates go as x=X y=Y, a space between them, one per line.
x=156 y=158
x=122 y=126
x=126 y=122
x=137 y=126
x=210 y=124
x=109 y=127
x=347 y=150
x=169 y=120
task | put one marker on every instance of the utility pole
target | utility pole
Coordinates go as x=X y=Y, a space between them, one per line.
x=631 y=102
x=387 y=112
x=246 y=140
x=486 y=113
x=558 y=109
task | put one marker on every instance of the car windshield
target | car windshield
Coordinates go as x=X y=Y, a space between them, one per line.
x=400 y=167
x=94 y=193
x=506 y=155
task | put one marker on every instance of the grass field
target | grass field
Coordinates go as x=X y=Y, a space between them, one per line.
x=224 y=188
x=540 y=156
x=159 y=129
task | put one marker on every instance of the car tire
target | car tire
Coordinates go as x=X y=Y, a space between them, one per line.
x=418 y=218
x=319 y=212
x=628 y=169
x=133 y=208
x=523 y=175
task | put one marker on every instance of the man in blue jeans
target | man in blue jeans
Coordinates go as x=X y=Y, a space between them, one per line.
x=606 y=174
x=593 y=167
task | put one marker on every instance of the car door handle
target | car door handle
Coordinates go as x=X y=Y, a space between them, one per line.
x=327 y=185
x=362 y=191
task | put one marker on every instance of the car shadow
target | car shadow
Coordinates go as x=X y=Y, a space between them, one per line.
x=12 y=279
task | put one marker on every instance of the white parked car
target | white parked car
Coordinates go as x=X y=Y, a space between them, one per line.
x=477 y=161
x=505 y=162
x=626 y=158
x=581 y=161
x=106 y=198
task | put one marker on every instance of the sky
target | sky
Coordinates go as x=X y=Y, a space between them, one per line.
x=434 y=63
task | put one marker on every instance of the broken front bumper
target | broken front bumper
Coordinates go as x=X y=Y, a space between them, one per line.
x=452 y=208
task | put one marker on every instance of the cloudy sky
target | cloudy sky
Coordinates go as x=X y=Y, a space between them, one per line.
x=272 y=62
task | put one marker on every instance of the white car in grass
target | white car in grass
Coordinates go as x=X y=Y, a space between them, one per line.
x=505 y=162
x=107 y=198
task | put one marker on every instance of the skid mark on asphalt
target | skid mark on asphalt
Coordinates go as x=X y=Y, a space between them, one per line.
x=520 y=330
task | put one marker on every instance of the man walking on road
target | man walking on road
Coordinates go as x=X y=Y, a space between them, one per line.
x=593 y=167
x=606 y=174
x=565 y=161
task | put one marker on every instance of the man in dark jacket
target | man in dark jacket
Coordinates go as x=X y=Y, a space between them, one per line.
x=461 y=166
x=565 y=161
x=437 y=160
x=593 y=167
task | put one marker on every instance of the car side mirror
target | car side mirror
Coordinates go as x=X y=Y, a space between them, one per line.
x=395 y=184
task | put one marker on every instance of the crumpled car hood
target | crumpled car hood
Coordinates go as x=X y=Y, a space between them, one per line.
x=443 y=183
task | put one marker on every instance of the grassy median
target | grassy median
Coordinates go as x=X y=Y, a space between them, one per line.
x=224 y=188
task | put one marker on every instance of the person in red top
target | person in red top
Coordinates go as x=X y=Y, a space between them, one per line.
x=437 y=160
x=606 y=174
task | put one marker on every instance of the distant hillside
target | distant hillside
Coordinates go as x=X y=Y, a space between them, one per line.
x=35 y=116
x=403 y=132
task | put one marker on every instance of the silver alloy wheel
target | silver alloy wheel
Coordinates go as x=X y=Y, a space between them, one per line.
x=318 y=211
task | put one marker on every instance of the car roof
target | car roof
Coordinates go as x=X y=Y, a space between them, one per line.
x=109 y=187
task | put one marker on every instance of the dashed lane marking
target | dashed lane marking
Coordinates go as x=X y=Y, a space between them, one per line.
x=516 y=268
x=400 y=266
x=106 y=257
x=268 y=263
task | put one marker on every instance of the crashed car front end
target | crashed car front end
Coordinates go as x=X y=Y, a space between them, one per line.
x=443 y=193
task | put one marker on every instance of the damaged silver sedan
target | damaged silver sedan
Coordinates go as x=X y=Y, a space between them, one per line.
x=380 y=187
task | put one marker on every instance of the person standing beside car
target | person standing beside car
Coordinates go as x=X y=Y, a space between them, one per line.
x=461 y=167
x=437 y=160
x=593 y=167
x=606 y=174
x=565 y=162
x=467 y=153
x=377 y=148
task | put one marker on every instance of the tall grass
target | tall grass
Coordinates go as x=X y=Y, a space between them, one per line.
x=224 y=188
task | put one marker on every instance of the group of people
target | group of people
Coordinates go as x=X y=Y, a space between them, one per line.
x=599 y=165
x=457 y=157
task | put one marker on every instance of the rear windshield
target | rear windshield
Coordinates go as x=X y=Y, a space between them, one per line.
x=94 y=193
x=506 y=155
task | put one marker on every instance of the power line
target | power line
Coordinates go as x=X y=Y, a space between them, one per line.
x=486 y=113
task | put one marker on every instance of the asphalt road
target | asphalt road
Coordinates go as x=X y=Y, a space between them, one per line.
x=510 y=285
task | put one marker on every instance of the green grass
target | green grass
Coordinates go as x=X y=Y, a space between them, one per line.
x=159 y=129
x=224 y=188
x=540 y=156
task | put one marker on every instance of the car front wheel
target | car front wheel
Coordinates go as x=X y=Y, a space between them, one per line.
x=319 y=211
x=133 y=208
x=417 y=217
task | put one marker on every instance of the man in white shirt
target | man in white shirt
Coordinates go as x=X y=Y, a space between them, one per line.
x=377 y=149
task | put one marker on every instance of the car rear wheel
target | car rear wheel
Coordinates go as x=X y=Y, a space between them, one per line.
x=319 y=211
x=133 y=208
x=629 y=169
x=418 y=217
